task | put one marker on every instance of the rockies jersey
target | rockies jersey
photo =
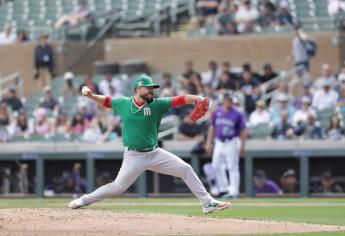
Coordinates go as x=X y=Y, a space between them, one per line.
x=140 y=125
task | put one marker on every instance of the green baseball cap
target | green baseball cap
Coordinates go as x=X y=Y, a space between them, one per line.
x=144 y=81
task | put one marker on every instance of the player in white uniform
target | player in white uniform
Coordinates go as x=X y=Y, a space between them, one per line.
x=227 y=130
x=141 y=116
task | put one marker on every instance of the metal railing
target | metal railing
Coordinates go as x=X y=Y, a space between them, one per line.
x=15 y=80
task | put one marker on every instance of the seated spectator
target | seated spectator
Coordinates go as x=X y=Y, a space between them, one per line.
x=20 y=126
x=301 y=115
x=226 y=24
x=341 y=99
x=283 y=16
x=189 y=70
x=210 y=77
x=246 y=17
x=335 y=6
x=250 y=88
x=76 y=17
x=48 y=101
x=7 y=36
x=327 y=184
x=282 y=90
x=325 y=98
x=12 y=100
x=68 y=90
x=310 y=130
x=92 y=132
x=61 y=124
x=284 y=130
x=246 y=67
x=326 y=75
x=226 y=83
x=44 y=62
x=260 y=115
x=42 y=124
x=283 y=105
x=268 y=4
x=226 y=67
x=112 y=131
x=264 y=185
x=334 y=131
x=189 y=130
x=5 y=117
x=110 y=86
x=78 y=124
x=341 y=79
x=289 y=182
x=22 y=37
x=266 y=17
x=167 y=89
x=89 y=83
x=304 y=93
x=207 y=8
x=268 y=73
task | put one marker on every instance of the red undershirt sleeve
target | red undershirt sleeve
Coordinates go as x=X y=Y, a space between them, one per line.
x=178 y=101
x=107 y=102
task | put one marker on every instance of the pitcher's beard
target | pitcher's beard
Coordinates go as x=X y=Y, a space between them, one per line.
x=148 y=99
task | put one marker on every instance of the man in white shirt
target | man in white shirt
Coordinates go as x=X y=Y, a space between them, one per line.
x=326 y=74
x=246 y=16
x=259 y=116
x=301 y=115
x=210 y=77
x=6 y=36
x=110 y=86
x=325 y=98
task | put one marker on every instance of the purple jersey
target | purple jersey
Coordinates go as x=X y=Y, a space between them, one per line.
x=227 y=124
x=269 y=187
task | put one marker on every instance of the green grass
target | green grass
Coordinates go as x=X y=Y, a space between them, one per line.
x=319 y=211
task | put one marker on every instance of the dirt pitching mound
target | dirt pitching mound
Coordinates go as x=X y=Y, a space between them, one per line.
x=105 y=222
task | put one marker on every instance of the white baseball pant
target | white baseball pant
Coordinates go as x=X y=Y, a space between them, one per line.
x=227 y=153
x=161 y=161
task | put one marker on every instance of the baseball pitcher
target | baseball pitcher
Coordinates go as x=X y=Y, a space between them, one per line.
x=228 y=133
x=141 y=116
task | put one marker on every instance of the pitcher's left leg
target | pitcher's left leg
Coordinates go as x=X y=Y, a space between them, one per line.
x=167 y=163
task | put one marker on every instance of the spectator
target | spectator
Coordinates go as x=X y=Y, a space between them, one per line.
x=299 y=50
x=282 y=90
x=20 y=126
x=310 y=130
x=68 y=90
x=44 y=62
x=22 y=37
x=264 y=185
x=4 y=114
x=210 y=77
x=283 y=16
x=267 y=16
x=301 y=115
x=289 y=182
x=260 y=115
x=284 y=129
x=268 y=73
x=250 y=89
x=190 y=130
x=110 y=86
x=167 y=89
x=246 y=17
x=189 y=70
x=92 y=132
x=226 y=24
x=61 y=124
x=89 y=83
x=76 y=17
x=226 y=67
x=6 y=36
x=226 y=83
x=334 y=131
x=341 y=79
x=78 y=124
x=12 y=100
x=341 y=99
x=304 y=93
x=48 y=101
x=42 y=125
x=268 y=4
x=325 y=98
x=335 y=6
x=283 y=105
x=113 y=130
x=327 y=184
x=207 y=8
x=246 y=67
x=326 y=75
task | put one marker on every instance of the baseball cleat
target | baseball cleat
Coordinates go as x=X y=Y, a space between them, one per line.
x=76 y=203
x=215 y=205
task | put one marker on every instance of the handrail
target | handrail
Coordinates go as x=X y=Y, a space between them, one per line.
x=17 y=81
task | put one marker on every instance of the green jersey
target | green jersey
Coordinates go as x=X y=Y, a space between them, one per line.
x=140 y=126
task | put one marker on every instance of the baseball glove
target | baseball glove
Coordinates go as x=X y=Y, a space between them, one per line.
x=200 y=108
